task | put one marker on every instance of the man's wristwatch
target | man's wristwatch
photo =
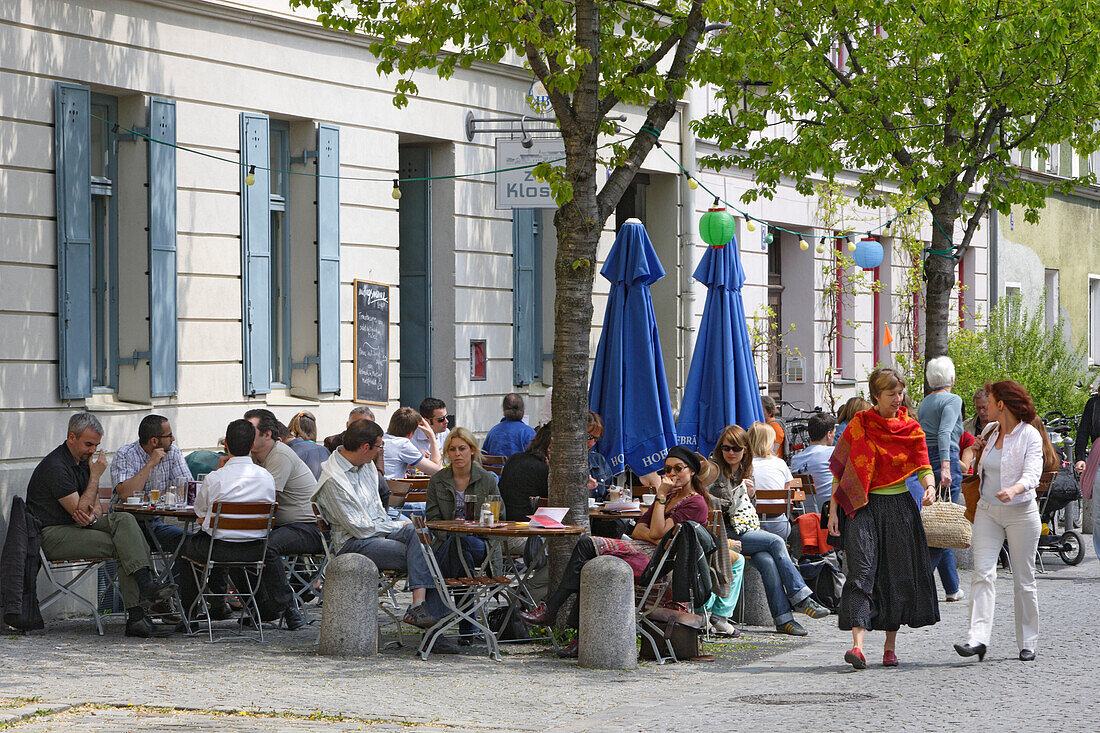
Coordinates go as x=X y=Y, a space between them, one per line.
x=661 y=500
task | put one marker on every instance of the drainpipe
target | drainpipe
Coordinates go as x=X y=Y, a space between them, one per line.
x=687 y=248
x=994 y=248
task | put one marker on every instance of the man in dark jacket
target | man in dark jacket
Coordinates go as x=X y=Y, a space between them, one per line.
x=19 y=570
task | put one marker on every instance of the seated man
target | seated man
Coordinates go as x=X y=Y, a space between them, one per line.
x=347 y=495
x=295 y=531
x=63 y=495
x=362 y=412
x=511 y=435
x=814 y=460
x=435 y=412
x=400 y=452
x=238 y=480
x=151 y=463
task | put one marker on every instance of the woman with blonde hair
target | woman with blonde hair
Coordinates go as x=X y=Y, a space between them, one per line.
x=303 y=431
x=733 y=491
x=447 y=488
x=845 y=413
x=770 y=472
x=889 y=579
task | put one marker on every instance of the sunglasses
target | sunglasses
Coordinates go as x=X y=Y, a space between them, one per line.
x=439 y=420
x=733 y=448
x=676 y=469
x=593 y=437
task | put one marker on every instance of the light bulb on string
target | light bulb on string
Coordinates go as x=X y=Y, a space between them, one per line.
x=802 y=245
x=396 y=192
x=251 y=177
x=933 y=200
x=769 y=237
x=692 y=183
x=851 y=246
x=749 y=225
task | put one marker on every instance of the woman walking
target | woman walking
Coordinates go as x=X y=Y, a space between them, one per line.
x=940 y=416
x=1010 y=468
x=733 y=491
x=889 y=579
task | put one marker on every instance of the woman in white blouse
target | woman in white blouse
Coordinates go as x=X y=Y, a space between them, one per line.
x=1010 y=468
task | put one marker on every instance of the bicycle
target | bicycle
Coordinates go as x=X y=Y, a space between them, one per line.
x=797 y=429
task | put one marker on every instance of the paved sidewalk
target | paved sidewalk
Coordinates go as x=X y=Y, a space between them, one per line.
x=763 y=682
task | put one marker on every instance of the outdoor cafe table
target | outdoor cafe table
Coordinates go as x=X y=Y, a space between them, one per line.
x=186 y=516
x=496 y=535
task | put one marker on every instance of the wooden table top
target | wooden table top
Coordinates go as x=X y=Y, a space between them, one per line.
x=503 y=529
x=597 y=512
x=187 y=512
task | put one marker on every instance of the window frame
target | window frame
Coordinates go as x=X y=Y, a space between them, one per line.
x=281 y=266
x=1093 y=309
x=104 y=197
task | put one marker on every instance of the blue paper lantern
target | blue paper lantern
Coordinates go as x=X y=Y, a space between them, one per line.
x=868 y=254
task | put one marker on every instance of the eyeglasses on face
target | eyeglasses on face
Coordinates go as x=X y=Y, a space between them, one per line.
x=675 y=469
x=439 y=420
x=732 y=448
x=593 y=438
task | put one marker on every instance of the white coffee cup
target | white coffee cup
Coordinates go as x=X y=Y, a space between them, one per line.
x=648 y=499
x=133 y=499
x=591 y=503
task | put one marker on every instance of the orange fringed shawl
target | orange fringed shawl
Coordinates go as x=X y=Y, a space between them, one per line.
x=874 y=452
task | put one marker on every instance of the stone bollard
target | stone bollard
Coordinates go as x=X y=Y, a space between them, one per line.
x=349 y=617
x=754 y=600
x=1086 y=515
x=608 y=635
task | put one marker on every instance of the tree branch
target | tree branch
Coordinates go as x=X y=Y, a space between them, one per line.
x=608 y=103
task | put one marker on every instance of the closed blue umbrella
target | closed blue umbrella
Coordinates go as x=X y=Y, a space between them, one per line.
x=628 y=387
x=722 y=388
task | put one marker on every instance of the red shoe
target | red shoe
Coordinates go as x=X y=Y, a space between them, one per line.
x=537 y=615
x=572 y=651
x=889 y=659
x=854 y=657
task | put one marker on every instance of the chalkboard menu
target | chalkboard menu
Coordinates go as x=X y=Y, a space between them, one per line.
x=372 y=342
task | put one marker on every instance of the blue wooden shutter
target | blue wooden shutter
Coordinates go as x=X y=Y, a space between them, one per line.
x=328 y=258
x=526 y=296
x=72 y=153
x=162 y=248
x=256 y=253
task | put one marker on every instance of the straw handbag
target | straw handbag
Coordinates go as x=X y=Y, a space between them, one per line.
x=945 y=525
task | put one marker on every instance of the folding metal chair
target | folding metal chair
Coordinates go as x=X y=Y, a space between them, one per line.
x=306 y=571
x=65 y=588
x=648 y=598
x=464 y=598
x=234 y=515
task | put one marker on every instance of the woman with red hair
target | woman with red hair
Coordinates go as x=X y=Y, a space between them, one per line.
x=889 y=579
x=1010 y=468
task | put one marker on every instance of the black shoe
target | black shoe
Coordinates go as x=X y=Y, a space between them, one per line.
x=1026 y=655
x=143 y=628
x=220 y=613
x=444 y=646
x=158 y=592
x=292 y=617
x=966 y=650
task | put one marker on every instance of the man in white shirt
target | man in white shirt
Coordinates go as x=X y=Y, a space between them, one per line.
x=814 y=459
x=401 y=453
x=434 y=411
x=239 y=480
x=347 y=495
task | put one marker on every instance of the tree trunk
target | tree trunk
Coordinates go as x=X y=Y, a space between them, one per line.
x=940 y=271
x=578 y=227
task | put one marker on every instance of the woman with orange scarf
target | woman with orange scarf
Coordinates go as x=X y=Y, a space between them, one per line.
x=889 y=579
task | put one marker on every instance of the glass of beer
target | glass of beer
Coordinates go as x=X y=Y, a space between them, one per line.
x=154 y=496
x=496 y=503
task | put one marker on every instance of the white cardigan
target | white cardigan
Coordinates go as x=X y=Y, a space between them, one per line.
x=1021 y=459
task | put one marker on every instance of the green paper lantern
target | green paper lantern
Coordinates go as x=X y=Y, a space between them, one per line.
x=717 y=227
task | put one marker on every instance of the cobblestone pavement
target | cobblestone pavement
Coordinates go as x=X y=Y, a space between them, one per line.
x=763 y=682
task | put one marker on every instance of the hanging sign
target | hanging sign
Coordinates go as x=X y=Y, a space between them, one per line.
x=517 y=188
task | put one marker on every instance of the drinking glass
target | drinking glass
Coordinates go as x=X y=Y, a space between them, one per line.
x=471 y=508
x=154 y=496
x=495 y=503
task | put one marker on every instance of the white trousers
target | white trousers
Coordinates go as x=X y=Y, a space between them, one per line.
x=993 y=522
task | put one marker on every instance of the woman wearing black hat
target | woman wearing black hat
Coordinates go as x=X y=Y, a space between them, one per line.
x=681 y=496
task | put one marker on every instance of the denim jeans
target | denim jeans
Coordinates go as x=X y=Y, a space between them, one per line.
x=942 y=559
x=783 y=583
x=398 y=550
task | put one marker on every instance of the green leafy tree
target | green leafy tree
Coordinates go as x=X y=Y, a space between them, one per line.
x=934 y=96
x=591 y=56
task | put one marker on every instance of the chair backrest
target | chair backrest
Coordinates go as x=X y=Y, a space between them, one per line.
x=1044 y=482
x=416 y=496
x=804 y=481
x=399 y=487
x=773 y=502
x=242 y=515
x=324 y=526
x=488 y=460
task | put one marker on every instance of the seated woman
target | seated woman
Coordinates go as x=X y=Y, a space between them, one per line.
x=769 y=472
x=599 y=470
x=734 y=491
x=681 y=497
x=526 y=475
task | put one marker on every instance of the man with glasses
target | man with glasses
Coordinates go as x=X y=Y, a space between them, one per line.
x=599 y=470
x=435 y=412
x=151 y=463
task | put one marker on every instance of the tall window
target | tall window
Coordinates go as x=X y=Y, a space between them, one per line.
x=280 y=254
x=104 y=184
x=1094 y=319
